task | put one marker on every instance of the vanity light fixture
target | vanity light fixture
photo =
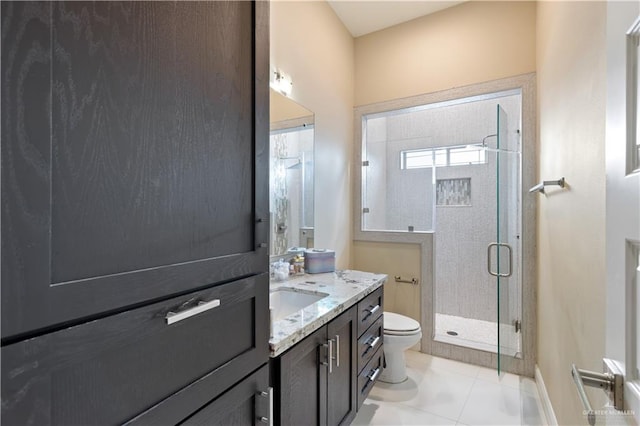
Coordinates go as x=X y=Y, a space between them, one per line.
x=281 y=83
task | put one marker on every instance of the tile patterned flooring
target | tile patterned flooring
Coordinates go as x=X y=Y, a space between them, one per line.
x=440 y=391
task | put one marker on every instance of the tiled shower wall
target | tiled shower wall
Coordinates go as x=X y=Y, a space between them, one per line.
x=462 y=285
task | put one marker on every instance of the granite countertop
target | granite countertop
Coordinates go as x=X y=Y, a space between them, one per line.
x=344 y=289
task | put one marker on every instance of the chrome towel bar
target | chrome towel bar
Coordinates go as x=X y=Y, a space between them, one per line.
x=540 y=187
x=609 y=382
x=399 y=279
x=577 y=378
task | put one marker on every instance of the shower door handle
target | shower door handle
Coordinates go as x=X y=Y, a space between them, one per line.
x=497 y=274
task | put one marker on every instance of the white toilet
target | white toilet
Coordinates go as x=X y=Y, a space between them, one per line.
x=400 y=333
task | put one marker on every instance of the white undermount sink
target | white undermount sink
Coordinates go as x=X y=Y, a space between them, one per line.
x=286 y=301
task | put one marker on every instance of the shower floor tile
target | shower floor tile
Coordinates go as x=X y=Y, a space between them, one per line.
x=472 y=333
x=446 y=392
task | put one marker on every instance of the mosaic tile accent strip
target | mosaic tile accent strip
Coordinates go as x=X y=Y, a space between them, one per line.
x=280 y=202
x=453 y=192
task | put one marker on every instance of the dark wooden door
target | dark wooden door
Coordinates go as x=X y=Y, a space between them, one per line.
x=134 y=366
x=242 y=405
x=134 y=155
x=303 y=382
x=341 y=381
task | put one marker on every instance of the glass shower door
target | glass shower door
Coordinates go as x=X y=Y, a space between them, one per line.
x=504 y=253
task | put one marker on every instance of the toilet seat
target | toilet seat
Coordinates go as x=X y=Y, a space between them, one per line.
x=399 y=325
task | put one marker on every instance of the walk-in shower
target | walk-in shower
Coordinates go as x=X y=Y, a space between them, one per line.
x=453 y=169
x=477 y=236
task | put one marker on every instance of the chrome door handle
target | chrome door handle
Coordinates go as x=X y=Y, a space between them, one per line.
x=329 y=346
x=330 y=343
x=265 y=394
x=494 y=274
x=173 y=317
x=337 y=350
x=498 y=245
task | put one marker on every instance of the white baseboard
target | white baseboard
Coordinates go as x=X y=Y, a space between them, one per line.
x=544 y=400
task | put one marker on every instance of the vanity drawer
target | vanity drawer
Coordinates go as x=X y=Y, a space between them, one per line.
x=247 y=403
x=141 y=364
x=369 y=310
x=370 y=341
x=369 y=375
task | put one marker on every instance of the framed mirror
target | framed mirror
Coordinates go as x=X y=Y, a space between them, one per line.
x=291 y=175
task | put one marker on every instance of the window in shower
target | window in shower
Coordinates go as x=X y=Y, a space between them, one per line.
x=406 y=150
x=442 y=157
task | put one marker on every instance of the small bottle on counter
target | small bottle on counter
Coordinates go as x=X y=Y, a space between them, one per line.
x=298 y=265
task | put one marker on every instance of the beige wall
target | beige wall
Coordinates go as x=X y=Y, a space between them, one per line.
x=571 y=59
x=393 y=259
x=309 y=43
x=491 y=40
x=469 y=43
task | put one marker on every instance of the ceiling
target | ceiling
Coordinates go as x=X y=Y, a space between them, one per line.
x=366 y=16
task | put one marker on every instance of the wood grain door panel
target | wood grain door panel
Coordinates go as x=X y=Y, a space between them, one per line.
x=242 y=405
x=370 y=371
x=134 y=154
x=369 y=342
x=341 y=386
x=303 y=382
x=109 y=371
x=369 y=309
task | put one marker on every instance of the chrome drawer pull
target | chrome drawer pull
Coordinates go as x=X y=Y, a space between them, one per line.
x=374 y=375
x=265 y=394
x=370 y=311
x=374 y=342
x=173 y=317
x=329 y=363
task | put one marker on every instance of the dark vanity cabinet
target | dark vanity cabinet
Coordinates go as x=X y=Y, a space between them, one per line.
x=134 y=211
x=241 y=405
x=341 y=389
x=370 y=342
x=315 y=380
